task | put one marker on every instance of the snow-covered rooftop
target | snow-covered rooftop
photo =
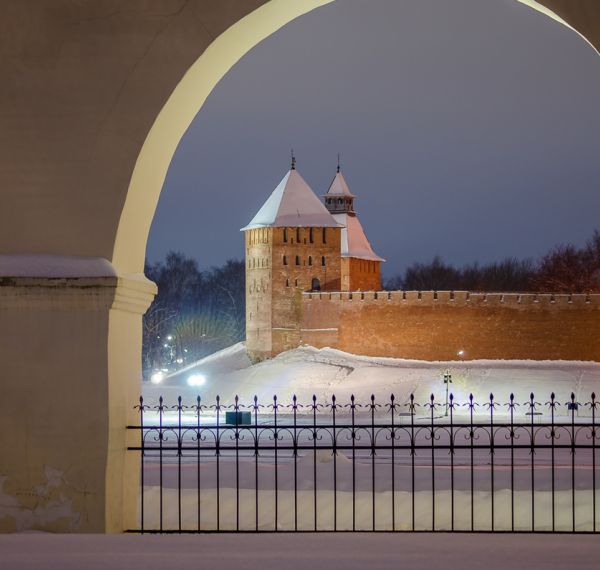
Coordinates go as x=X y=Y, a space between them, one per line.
x=292 y=204
x=338 y=187
x=354 y=241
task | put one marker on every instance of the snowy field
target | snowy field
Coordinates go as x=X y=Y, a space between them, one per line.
x=353 y=487
x=298 y=552
x=306 y=371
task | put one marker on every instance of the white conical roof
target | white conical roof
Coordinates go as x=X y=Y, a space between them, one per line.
x=338 y=186
x=292 y=204
x=354 y=240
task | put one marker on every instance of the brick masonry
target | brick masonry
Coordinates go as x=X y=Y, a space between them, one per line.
x=360 y=274
x=280 y=265
x=436 y=326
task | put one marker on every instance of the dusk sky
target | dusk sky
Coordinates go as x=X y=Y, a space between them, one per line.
x=467 y=129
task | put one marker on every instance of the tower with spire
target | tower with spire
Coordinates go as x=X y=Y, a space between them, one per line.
x=360 y=265
x=292 y=245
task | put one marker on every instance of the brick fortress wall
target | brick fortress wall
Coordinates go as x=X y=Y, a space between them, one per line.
x=259 y=248
x=306 y=258
x=436 y=326
x=280 y=265
x=360 y=274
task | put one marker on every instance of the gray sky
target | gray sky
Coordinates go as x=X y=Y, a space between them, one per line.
x=467 y=128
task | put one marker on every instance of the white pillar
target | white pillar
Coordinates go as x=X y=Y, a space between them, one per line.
x=70 y=374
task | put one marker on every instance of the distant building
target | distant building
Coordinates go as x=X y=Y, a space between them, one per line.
x=296 y=244
x=292 y=245
x=360 y=264
x=313 y=278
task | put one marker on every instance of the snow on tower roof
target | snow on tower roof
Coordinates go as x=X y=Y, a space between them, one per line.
x=292 y=204
x=338 y=186
x=354 y=241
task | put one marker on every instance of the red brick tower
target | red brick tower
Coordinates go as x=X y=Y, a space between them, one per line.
x=293 y=244
x=360 y=265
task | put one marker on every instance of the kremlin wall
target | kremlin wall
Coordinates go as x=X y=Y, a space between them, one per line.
x=313 y=278
x=454 y=325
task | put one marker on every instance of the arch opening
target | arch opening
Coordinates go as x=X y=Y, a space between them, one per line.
x=186 y=100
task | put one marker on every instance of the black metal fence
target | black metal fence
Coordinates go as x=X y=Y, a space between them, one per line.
x=379 y=466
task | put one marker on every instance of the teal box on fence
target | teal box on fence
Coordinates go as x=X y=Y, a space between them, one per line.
x=238 y=418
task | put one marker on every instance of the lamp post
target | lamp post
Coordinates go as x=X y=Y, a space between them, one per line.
x=447 y=382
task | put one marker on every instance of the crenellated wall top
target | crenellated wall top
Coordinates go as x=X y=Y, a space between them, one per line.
x=416 y=298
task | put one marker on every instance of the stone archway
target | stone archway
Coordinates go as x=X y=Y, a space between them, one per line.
x=95 y=97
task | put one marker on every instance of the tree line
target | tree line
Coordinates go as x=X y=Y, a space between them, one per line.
x=194 y=314
x=564 y=269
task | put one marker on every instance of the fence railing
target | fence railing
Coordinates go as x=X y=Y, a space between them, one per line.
x=377 y=466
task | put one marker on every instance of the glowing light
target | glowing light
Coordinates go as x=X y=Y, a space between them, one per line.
x=170 y=337
x=461 y=352
x=196 y=380
x=157 y=377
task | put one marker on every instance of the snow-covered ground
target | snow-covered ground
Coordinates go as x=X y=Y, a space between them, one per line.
x=298 y=552
x=324 y=372
x=363 y=510
x=318 y=475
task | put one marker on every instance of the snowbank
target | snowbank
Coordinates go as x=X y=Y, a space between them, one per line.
x=298 y=552
x=324 y=372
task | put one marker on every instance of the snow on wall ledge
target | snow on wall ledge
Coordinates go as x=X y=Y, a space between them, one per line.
x=54 y=266
x=458 y=325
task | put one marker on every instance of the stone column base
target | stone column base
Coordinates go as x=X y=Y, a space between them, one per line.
x=70 y=374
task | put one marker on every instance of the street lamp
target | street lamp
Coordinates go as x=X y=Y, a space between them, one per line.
x=447 y=382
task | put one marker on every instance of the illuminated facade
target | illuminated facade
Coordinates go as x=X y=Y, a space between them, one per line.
x=296 y=244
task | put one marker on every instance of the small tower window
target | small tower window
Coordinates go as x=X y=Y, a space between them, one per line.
x=310 y=260
x=285 y=236
x=297 y=260
x=296 y=282
x=323 y=261
x=315 y=284
x=312 y=235
x=287 y=282
x=297 y=235
x=285 y=259
x=324 y=235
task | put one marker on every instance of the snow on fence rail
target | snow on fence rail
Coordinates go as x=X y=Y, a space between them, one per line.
x=376 y=466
